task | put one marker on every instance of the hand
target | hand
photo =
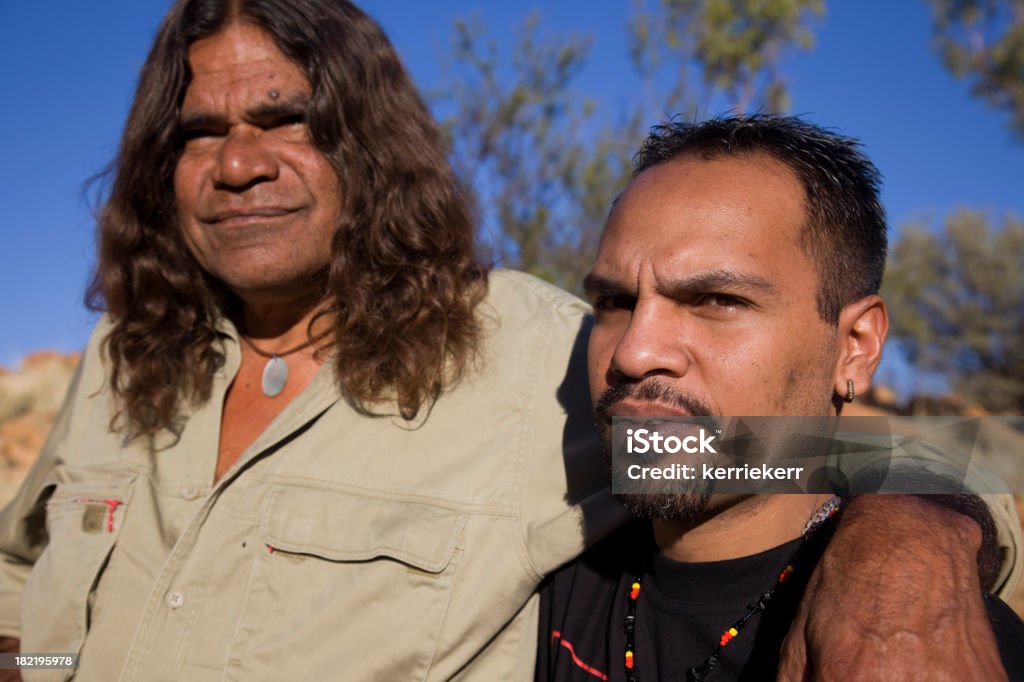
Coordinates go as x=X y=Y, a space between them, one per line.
x=896 y=596
x=10 y=645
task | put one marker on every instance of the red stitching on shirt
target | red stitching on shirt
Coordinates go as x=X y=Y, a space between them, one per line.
x=555 y=634
x=111 y=506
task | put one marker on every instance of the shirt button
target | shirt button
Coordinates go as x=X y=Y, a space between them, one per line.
x=175 y=599
x=190 y=492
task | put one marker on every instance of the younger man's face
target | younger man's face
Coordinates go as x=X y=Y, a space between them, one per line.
x=705 y=299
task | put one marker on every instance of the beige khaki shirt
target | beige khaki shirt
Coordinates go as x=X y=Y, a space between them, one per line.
x=339 y=547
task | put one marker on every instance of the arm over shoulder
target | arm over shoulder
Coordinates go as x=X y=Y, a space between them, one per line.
x=565 y=502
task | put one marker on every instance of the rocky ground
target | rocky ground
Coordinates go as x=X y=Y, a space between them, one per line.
x=29 y=400
x=31 y=396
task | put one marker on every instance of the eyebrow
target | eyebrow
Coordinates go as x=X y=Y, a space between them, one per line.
x=715 y=280
x=595 y=285
x=686 y=287
x=297 y=105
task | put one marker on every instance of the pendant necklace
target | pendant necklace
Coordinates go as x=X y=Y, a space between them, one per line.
x=275 y=372
x=703 y=670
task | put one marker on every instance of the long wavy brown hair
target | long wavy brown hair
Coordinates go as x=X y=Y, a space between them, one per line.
x=404 y=281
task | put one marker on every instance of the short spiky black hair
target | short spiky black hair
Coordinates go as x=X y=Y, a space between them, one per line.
x=845 y=231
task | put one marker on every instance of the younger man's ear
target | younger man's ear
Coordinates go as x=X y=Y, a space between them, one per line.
x=861 y=335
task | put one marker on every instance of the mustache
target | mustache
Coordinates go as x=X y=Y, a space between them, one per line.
x=649 y=390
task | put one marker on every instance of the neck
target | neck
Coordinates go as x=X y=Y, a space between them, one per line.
x=277 y=325
x=737 y=528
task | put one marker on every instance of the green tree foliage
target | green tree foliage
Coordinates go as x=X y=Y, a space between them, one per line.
x=733 y=45
x=523 y=140
x=546 y=162
x=957 y=303
x=983 y=41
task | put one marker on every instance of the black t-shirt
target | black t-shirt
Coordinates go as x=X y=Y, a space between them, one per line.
x=684 y=608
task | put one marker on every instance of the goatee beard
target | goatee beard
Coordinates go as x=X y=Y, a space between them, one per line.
x=688 y=505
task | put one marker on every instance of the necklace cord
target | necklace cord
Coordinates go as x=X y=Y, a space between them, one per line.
x=262 y=353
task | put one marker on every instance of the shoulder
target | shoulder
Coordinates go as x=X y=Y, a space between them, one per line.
x=512 y=293
x=93 y=366
x=95 y=347
x=83 y=433
x=535 y=335
x=538 y=330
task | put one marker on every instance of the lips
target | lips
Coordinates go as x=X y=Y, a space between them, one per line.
x=249 y=213
x=629 y=408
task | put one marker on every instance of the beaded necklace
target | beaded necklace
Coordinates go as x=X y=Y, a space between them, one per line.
x=703 y=670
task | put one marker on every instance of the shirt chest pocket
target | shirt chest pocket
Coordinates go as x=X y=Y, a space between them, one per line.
x=372 y=574
x=83 y=522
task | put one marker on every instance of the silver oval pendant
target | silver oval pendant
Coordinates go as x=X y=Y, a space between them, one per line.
x=275 y=374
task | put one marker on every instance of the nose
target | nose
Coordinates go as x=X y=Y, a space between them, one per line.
x=245 y=159
x=653 y=343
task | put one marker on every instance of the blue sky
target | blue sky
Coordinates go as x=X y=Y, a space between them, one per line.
x=71 y=67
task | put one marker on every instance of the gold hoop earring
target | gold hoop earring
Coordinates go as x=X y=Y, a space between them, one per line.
x=849 y=391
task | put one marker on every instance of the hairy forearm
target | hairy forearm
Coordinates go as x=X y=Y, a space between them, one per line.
x=965 y=518
x=910 y=531
x=896 y=595
x=989 y=556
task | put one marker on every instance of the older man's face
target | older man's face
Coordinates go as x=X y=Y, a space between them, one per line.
x=704 y=298
x=258 y=203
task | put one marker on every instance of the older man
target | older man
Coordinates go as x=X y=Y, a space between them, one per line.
x=264 y=469
x=312 y=437
x=738 y=275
